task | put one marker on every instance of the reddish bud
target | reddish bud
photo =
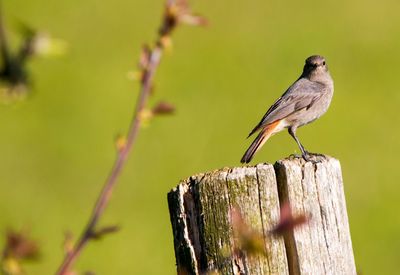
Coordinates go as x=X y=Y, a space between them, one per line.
x=287 y=222
x=20 y=246
x=163 y=108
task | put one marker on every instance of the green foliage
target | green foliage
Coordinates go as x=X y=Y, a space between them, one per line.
x=57 y=146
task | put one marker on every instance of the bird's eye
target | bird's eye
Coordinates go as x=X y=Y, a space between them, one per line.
x=323 y=63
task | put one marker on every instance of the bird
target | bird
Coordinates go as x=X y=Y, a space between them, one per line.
x=307 y=99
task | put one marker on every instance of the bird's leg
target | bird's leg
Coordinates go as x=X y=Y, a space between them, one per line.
x=304 y=153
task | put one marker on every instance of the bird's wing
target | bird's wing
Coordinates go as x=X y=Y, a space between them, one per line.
x=302 y=94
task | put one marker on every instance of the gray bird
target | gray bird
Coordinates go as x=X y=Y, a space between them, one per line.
x=305 y=101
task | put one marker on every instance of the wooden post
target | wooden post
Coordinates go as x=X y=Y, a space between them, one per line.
x=202 y=228
x=323 y=246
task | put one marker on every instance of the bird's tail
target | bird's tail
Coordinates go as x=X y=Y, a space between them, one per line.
x=262 y=137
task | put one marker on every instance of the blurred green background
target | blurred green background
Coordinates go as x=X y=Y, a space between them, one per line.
x=56 y=147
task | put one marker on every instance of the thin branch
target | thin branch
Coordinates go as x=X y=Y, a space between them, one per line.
x=150 y=59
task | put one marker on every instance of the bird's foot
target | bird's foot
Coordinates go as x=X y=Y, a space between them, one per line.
x=317 y=154
x=295 y=156
x=313 y=157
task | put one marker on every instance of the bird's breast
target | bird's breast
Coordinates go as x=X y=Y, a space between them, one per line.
x=314 y=111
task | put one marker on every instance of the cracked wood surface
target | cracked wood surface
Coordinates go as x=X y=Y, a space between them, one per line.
x=202 y=228
x=322 y=246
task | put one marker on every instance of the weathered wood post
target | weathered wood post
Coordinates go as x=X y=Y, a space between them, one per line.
x=202 y=228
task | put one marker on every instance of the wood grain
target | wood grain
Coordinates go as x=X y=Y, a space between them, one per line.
x=204 y=240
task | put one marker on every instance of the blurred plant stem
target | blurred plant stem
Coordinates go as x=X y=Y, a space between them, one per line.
x=175 y=12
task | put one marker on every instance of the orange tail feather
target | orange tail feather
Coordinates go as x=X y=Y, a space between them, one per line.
x=262 y=137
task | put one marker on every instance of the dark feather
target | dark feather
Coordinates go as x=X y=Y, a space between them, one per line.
x=253 y=148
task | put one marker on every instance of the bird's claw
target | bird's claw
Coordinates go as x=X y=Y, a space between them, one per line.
x=314 y=158
x=295 y=156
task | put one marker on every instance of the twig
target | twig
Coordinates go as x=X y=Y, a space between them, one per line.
x=175 y=12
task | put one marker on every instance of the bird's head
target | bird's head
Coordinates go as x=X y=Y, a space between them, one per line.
x=315 y=68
